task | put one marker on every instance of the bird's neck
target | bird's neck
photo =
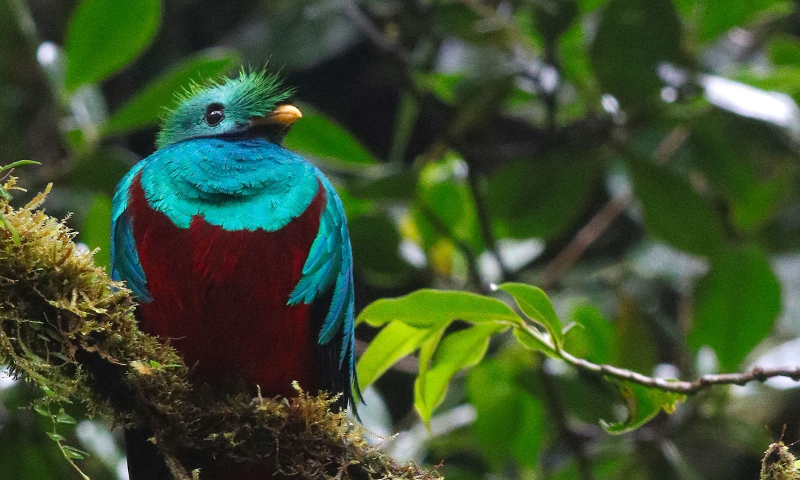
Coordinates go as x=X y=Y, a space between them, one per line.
x=239 y=184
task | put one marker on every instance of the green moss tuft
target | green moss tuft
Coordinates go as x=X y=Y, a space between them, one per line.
x=779 y=463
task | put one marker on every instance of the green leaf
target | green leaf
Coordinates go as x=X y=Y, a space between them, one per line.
x=446 y=197
x=383 y=182
x=18 y=163
x=710 y=18
x=426 y=351
x=760 y=203
x=735 y=305
x=642 y=404
x=541 y=197
x=376 y=248
x=577 y=66
x=784 y=50
x=454 y=352
x=12 y=231
x=588 y=6
x=531 y=338
x=594 y=337
x=72 y=452
x=48 y=391
x=637 y=347
x=395 y=341
x=100 y=170
x=633 y=38
x=554 y=17
x=106 y=35
x=443 y=85
x=150 y=103
x=64 y=417
x=41 y=409
x=354 y=206
x=674 y=211
x=510 y=422
x=55 y=437
x=534 y=303
x=458 y=20
x=96 y=229
x=315 y=135
x=746 y=169
x=431 y=308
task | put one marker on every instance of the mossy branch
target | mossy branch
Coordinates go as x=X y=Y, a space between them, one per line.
x=779 y=463
x=65 y=326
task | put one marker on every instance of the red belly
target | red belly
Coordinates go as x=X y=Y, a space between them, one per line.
x=220 y=296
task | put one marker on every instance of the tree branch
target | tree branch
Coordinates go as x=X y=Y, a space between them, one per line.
x=583 y=239
x=756 y=374
x=65 y=326
x=603 y=219
x=373 y=32
x=485 y=224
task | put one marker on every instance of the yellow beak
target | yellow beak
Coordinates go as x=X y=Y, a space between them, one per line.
x=284 y=115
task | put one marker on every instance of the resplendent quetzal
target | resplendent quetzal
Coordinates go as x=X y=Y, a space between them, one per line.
x=237 y=249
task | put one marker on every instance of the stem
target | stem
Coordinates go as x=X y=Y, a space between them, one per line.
x=69 y=460
x=25 y=22
x=574 y=441
x=603 y=219
x=406 y=119
x=551 y=96
x=485 y=223
x=371 y=31
x=756 y=374
x=472 y=259
x=583 y=239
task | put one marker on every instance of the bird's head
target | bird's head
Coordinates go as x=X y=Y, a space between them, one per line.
x=250 y=104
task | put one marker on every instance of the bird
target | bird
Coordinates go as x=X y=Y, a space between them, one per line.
x=237 y=251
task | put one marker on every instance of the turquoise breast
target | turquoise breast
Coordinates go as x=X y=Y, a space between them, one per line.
x=245 y=184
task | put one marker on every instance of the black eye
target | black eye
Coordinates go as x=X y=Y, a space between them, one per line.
x=214 y=114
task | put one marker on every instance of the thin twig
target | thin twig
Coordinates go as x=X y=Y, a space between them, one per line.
x=485 y=223
x=173 y=464
x=756 y=374
x=670 y=144
x=551 y=94
x=25 y=22
x=606 y=215
x=575 y=442
x=584 y=238
x=371 y=31
x=466 y=249
x=405 y=121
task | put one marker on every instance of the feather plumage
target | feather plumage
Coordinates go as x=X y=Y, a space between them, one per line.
x=238 y=249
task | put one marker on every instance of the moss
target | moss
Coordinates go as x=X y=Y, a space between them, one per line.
x=779 y=463
x=67 y=327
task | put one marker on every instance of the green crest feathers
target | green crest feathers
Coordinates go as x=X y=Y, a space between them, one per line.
x=250 y=94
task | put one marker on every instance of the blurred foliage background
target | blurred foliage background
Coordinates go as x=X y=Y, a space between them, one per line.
x=637 y=159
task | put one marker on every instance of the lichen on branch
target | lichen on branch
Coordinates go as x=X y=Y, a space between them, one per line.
x=65 y=326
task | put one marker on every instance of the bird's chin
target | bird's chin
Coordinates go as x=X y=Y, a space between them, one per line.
x=273 y=133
